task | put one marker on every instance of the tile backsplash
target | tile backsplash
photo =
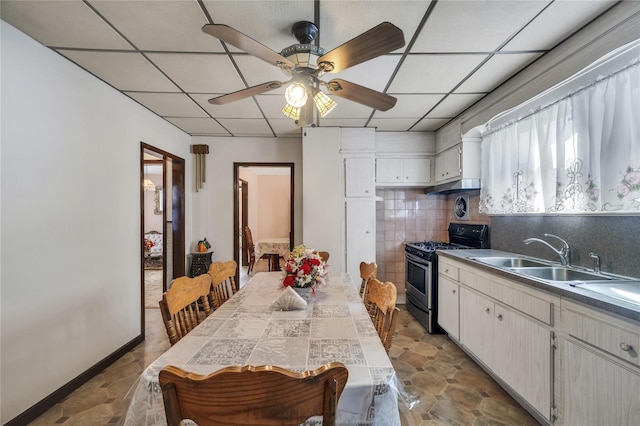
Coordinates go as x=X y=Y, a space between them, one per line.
x=409 y=215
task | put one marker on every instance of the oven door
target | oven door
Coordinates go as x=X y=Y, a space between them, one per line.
x=419 y=280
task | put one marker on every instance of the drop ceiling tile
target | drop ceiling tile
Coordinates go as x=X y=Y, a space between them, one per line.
x=160 y=25
x=122 y=70
x=343 y=122
x=268 y=22
x=495 y=71
x=452 y=105
x=374 y=74
x=199 y=126
x=392 y=124
x=412 y=106
x=271 y=105
x=168 y=104
x=557 y=22
x=244 y=108
x=473 y=26
x=348 y=109
x=338 y=23
x=247 y=126
x=433 y=73
x=200 y=73
x=429 y=124
x=284 y=127
x=62 y=24
x=256 y=71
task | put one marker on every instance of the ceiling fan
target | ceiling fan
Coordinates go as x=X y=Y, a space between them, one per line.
x=305 y=63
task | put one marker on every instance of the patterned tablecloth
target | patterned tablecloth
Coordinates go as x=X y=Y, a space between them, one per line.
x=279 y=246
x=245 y=330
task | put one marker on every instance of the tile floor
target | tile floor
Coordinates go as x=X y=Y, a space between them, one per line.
x=451 y=388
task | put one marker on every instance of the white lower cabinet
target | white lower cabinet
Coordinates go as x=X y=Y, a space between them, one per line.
x=448 y=306
x=360 y=233
x=599 y=374
x=477 y=325
x=597 y=389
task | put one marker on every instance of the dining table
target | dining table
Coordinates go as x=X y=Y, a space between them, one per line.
x=273 y=249
x=248 y=329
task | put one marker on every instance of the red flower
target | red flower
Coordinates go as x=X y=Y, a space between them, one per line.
x=289 y=280
x=306 y=268
x=315 y=262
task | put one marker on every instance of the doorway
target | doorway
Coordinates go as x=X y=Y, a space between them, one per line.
x=263 y=200
x=162 y=224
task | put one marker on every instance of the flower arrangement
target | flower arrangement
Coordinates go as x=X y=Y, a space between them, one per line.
x=148 y=244
x=303 y=269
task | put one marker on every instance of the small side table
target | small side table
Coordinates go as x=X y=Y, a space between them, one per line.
x=199 y=263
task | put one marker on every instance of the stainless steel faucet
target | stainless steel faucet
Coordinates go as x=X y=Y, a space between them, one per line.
x=564 y=253
x=596 y=267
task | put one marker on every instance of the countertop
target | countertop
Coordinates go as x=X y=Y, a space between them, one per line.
x=563 y=289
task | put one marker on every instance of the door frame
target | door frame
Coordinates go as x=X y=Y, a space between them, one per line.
x=245 y=219
x=236 y=213
x=177 y=197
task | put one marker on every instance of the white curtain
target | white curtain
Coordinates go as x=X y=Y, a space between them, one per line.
x=579 y=154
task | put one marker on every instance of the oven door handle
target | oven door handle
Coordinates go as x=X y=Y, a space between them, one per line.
x=416 y=259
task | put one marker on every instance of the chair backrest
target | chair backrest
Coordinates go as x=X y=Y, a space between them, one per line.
x=249 y=238
x=179 y=305
x=258 y=396
x=324 y=255
x=223 y=282
x=380 y=301
x=367 y=271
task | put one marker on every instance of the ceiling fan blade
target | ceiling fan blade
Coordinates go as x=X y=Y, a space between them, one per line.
x=245 y=43
x=362 y=95
x=245 y=93
x=379 y=40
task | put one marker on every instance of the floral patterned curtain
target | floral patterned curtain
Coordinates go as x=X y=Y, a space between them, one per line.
x=580 y=154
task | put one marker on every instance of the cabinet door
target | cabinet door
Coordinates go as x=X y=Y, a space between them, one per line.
x=388 y=170
x=448 y=306
x=359 y=176
x=597 y=390
x=448 y=164
x=476 y=324
x=361 y=233
x=417 y=170
x=523 y=357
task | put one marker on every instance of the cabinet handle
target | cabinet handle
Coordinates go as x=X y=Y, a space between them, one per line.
x=367 y=232
x=499 y=316
x=446 y=271
x=453 y=291
x=487 y=310
x=625 y=347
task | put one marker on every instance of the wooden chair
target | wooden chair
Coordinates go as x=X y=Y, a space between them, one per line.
x=223 y=282
x=380 y=300
x=324 y=255
x=249 y=395
x=251 y=251
x=179 y=305
x=367 y=271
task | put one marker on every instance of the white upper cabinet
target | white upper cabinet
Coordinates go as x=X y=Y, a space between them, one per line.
x=359 y=176
x=448 y=164
x=392 y=171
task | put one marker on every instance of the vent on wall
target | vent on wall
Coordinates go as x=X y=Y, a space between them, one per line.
x=461 y=207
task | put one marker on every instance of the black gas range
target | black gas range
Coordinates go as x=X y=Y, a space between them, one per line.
x=422 y=269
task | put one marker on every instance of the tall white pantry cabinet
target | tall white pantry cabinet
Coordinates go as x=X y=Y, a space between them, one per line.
x=338 y=201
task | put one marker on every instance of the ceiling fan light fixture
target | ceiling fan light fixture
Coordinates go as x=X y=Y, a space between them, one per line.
x=296 y=94
x=291 y=112
x=324 y=104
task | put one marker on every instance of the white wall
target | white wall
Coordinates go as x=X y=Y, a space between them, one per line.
x=70 y=218
x=213 y=205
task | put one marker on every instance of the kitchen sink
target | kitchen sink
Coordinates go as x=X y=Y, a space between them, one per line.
x=557 y=273
x=510 y=262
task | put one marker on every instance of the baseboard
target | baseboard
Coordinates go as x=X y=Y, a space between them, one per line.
x=402 y=299
x=58 y=395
